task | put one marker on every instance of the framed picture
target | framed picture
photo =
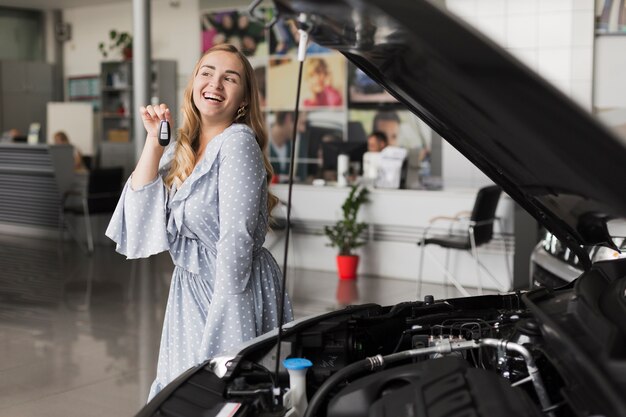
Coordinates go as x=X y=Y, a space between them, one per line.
x=234 y=27
x=363 y=90
x=284 y=38
x=324 y=82
x=401 y=127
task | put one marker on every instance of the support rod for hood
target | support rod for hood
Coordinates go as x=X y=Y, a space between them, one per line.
x=304 y=37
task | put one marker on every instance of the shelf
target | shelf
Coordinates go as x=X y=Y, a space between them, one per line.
x=116 y=90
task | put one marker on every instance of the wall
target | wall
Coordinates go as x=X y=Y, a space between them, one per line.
x=609 y=85
x=21 y=36
x=175 y=35
x=552 y=37
x=391 y=250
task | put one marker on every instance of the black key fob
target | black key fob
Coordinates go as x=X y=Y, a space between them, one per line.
x=164 y=133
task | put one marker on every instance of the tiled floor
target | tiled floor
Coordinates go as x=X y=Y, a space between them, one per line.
x=79 y=335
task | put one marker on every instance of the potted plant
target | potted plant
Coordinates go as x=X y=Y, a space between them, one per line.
x=122 y=41
x=346 y=233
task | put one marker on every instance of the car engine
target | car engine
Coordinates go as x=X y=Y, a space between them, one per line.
x=436 y=358
x=542 y=353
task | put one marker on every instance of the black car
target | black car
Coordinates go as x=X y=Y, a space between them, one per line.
x=553 y=264
x=555 y=352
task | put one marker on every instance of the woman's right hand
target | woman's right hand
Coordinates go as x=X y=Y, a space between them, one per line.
x=152 y=117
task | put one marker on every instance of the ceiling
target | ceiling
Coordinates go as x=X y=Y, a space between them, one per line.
x=55 y=4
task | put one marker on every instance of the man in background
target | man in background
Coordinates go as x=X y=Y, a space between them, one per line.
x=387 y=122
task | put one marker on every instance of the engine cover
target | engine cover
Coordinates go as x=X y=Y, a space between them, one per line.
x=440 y=387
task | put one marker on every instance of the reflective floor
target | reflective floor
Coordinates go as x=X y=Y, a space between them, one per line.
x=79 y=335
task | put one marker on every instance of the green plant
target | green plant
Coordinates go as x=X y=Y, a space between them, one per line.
x=346 y=233
x=117 y=40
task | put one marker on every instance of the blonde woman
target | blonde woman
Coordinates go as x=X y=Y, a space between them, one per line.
x=205 y=199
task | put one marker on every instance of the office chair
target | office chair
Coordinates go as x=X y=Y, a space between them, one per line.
x=101 y=195
x=478 y=230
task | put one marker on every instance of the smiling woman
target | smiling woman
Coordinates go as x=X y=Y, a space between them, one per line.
x=205 y=199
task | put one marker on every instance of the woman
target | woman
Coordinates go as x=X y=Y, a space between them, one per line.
x=60 y=138
x=207 y=202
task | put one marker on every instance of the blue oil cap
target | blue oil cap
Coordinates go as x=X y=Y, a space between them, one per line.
x=297 y=364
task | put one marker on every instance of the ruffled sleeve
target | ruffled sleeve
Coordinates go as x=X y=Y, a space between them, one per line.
x=139 y=224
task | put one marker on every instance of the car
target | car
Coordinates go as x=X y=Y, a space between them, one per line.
x=552 y=264
x=543 y=352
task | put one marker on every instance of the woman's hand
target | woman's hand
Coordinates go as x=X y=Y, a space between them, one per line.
x=148 y=164
x=152 y=117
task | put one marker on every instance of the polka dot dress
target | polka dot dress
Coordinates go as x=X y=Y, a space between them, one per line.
x=225 y=286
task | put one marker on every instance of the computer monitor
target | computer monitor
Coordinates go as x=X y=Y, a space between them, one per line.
x=331 y=150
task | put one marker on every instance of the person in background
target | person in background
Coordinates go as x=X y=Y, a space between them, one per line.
x=206 y=200
x=376 y=141
x=280 y=142
x=60 y=138
x=11 y=135
x=387 y=122
x=321 y=90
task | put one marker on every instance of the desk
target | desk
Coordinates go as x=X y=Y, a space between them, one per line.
x=32 y=180
x=397 y=219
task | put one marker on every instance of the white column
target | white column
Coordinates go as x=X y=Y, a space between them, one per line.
x=141 y=67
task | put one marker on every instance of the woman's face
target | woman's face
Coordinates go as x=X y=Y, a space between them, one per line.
x=218 y=87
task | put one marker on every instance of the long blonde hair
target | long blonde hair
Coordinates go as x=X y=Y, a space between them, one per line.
x=189 y=134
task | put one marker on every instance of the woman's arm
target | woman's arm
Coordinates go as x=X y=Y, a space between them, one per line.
x=240 y=187
x=148 y=164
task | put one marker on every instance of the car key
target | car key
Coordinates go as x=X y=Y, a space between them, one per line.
x=164 y=133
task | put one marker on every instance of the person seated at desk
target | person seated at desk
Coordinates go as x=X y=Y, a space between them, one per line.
x=60 y=138
x=13 y=135
x=376 y=141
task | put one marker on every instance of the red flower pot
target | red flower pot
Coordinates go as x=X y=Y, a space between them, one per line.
x=127 y=53
x=347 y=265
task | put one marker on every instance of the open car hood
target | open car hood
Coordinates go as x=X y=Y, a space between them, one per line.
x=547 y=153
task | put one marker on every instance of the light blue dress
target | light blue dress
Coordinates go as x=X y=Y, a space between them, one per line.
x=225 y=287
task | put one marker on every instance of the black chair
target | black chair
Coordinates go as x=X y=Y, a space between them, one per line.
x=100 y=196
x=467 y=231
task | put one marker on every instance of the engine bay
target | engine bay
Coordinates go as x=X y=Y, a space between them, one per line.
x=458 y=348
x=540 y=353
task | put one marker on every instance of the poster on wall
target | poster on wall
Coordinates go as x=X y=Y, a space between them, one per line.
x=324 y=81
x=401 y=127
x=284 y=39
x=282 y=77
x=610 y=17
x=315 y=130
x=363 y=90
x=260 y=72
x=340 y=106
x=234 y=27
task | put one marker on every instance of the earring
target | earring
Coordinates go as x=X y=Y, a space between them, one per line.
x=241 y=112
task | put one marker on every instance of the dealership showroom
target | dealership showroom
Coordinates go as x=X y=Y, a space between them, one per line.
x=429 y=221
